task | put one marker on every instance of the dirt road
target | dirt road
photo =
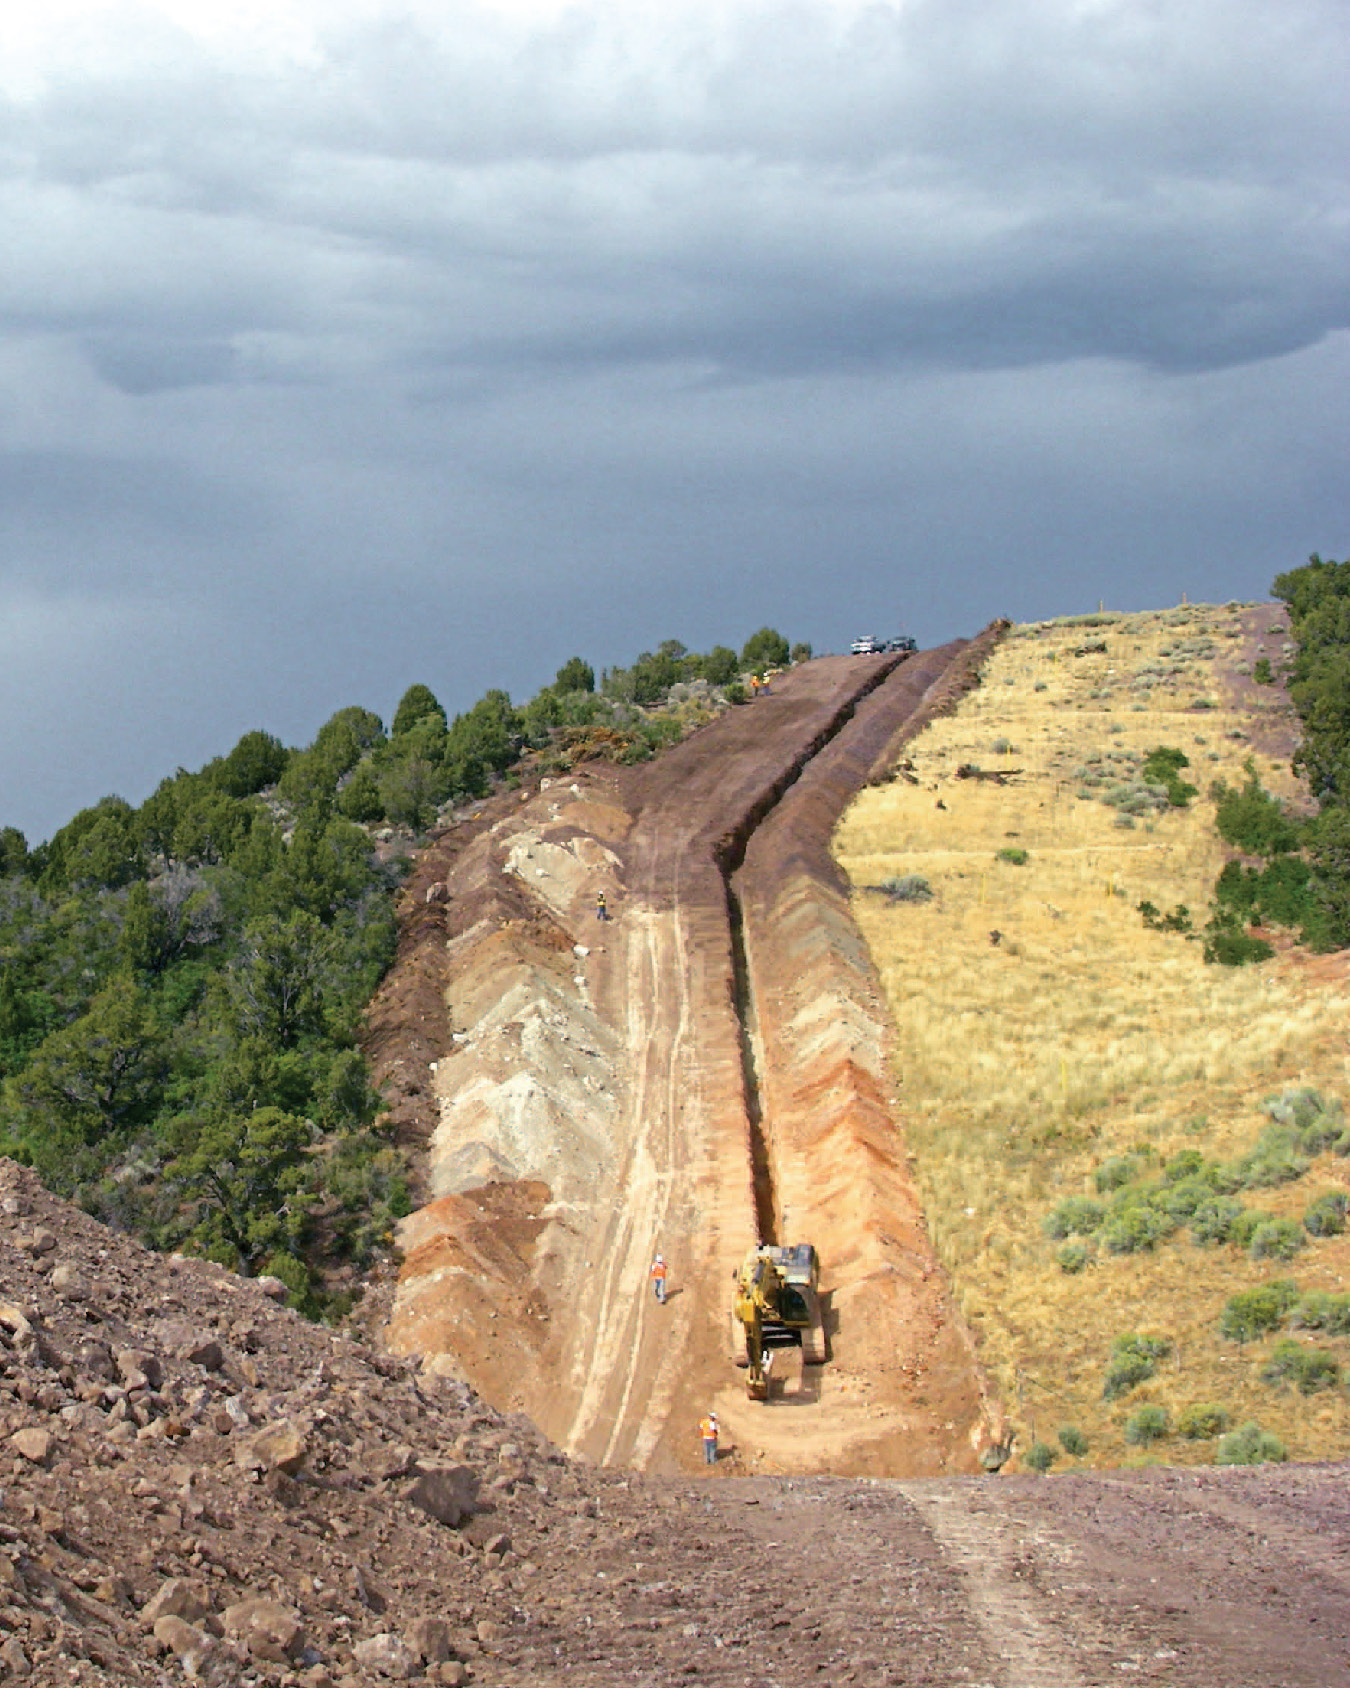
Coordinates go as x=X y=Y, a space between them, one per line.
x=703 y=1069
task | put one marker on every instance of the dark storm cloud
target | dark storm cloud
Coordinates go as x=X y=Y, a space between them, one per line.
x=431 y=344
x=797 y=189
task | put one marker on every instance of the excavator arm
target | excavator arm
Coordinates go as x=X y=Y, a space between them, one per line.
x=757 y=1380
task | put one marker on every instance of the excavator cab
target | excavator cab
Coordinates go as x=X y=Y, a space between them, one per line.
x=777 y=1306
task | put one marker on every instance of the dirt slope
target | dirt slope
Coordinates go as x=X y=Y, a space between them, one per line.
x=198 y=1486
x=704 y=1067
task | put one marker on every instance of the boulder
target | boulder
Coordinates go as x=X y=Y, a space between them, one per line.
x=179 y=1597
x=387 y=1655
x=140 y=1369
x=69 y=1284
x=447 y=1493
x=203 y=1351
x=270 y=1631
x=34 y=1445
x=429 y=1638
x=277 y=1447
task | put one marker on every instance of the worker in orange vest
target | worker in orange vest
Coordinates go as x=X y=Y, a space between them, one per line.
x=707 y=1429
x=658 y=1276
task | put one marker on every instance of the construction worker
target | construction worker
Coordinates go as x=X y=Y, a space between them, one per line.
x=658 y=1276
x=601 y=906
x=707 y=1429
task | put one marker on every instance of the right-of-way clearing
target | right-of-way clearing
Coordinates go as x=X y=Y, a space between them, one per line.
x=702 y=1069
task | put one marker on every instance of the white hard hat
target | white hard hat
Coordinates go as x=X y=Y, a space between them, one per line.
x=660 y=1260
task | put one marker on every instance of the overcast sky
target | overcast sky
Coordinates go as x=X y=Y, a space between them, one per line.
x=350 y=344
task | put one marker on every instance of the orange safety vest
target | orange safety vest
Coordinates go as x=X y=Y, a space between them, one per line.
x=708 y=1430
x=658 y=1268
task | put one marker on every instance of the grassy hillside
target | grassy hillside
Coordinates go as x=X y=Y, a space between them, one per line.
x=1052 y=1045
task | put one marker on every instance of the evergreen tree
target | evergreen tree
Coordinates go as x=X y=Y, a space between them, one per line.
x=418 y=705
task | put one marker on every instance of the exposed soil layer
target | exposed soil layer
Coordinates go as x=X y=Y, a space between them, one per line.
x=703 y=1068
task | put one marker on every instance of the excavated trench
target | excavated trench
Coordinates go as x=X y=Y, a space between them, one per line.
x=761 y=1165
x=707 y=1068
x=730 y=855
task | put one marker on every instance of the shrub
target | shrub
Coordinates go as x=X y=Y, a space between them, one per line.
x=1113 y=1173
x=1136 y=797
x=1273 y=1159
x=1322 y=1309
x=1179 y=920
x=1011 y=853
x=1134 y=1359
x=1163 y=767
x=1073 y=1441
x=1040 y=1456
x=1213 y=1220
x=1276 y=1239
x=1251 y=819
x=1245 y=1226
x=1261 y=672
x=1316 y=1122
x=1326 y=1216
x=1228 y=946
x=1135 y=1227
x=1182 y=1200
x=1186 y=1163
x=1308 y=1369
x=1002 y=747
x=907 y=888
x=1202 y=1420
x=1075 y=1216
x=1252 y=1312
x=1249 y=1446
x=1149 y=1424
x=1071 y=1257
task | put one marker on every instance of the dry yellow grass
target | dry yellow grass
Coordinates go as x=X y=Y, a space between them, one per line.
x=1026 y=1062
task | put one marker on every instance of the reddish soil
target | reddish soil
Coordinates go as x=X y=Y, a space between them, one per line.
x=532 y=1285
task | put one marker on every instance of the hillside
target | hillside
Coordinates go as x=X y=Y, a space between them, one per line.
x=1051 y=1046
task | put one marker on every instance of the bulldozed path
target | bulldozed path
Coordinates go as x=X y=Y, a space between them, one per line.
x=704 y=1069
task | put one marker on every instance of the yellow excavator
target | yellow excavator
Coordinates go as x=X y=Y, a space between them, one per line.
x=777 y=1306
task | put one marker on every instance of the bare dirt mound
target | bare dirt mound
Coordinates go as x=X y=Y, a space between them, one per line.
x=703 y=1068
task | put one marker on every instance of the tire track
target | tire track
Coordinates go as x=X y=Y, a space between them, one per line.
x=612 y=1355
x=990 y=1558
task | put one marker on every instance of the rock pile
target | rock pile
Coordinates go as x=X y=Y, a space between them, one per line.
x=198 y=1485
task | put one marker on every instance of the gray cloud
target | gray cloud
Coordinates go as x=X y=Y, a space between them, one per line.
x=644 y=321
